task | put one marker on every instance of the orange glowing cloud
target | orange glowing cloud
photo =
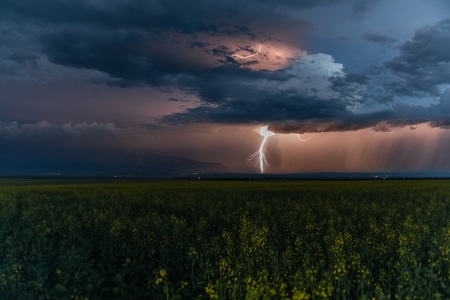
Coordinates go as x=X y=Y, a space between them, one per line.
x=208 y=51
x=271 y=55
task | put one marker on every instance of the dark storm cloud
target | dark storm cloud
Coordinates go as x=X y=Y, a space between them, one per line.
x=45 y=131
x=24 y=58
x=183 y=44
x=188 y=16
x=424 y=61
x=380 y=38
x=350 y=87
x=362 y=7
x=121 y=38
x=442 y=111
x=178 y=100
x=7 y=67
x=346 y=123
x=15 y=49
x=118 y=53
x=286 y=100
x=301 y=113
x=262 y=108
x=302 y=93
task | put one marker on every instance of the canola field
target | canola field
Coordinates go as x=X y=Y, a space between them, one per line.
x=225 y=240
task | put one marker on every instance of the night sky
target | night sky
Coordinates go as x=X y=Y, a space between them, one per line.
x=166 y=87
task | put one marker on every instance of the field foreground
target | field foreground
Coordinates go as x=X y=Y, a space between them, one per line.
x=225 y=240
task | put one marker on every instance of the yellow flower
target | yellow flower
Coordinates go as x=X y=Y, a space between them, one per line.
x=127 y=262
x=300 y=295
x=163 y=273
x=162 y=276
x=211 y=292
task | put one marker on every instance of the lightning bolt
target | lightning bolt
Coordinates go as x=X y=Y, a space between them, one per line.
x=261 y=154
x=248 y=56
x=302 y=140
x=262 y=160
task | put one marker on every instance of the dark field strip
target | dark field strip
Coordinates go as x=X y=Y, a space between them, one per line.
x=185 y=239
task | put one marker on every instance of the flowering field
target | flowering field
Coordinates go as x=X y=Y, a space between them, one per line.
x=225 y=240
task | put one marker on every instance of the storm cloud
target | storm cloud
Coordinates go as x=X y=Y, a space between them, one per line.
x=190 y=46
x=424 y=62
x=113 y=73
